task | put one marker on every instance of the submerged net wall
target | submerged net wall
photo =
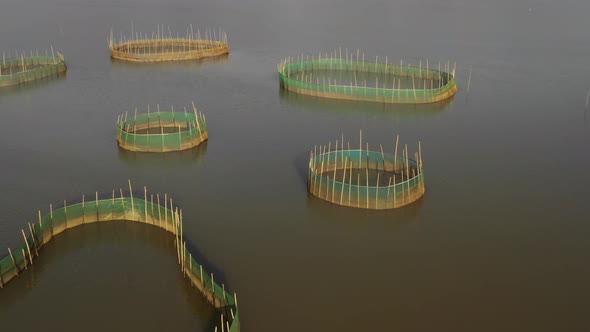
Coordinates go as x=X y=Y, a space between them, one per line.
x=159 y=48
x=18 y=70
x=148 y=210
x=365 y=179
x=161 y=131
x=351 y=79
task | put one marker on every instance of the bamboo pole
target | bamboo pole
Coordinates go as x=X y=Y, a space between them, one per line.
x=350 y=183
x=395 y=154
x=145 y=214
x=419 y=156
x=28 y=247
x=131 y=196
x=166 y=210
x=13 y=261
x=24 y=258
x=97 y=214
x=34 y=240
x=41 y=227
x=51 y=219
x=123 y=203
x=212 y=289
x=367 y=172
x=343 y=181
x=159 y=211
x=202 y=281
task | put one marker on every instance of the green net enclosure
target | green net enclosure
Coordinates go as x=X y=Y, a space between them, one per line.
x=153 y=210
x=362 y=178
x=161 y=131
x=18 y=69
x=352 y=78
x=160 y=46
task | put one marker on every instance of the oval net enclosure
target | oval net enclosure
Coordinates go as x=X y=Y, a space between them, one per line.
x=18 y=69
x=158 y=46
x=349 y=76
x=161 y=131
x=367 y=179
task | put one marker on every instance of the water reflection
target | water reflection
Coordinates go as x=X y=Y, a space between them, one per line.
x=196 y=63
x=347 y=106
x=165 y=159
x=343 y=216
x=31 y=85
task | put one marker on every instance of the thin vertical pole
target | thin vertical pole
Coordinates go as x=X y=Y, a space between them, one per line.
x=132 y=203
x=28 y=247
x=13 y=261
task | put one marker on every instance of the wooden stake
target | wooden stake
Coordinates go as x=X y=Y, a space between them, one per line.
x=145 y=214
x=97 y=214
x=395 y=154
x=24 y=258
x=159 y=211
x=201 y=273
x=28 y=247
x=166 y=210
x=35 y=243
x=123 y=203
x=343 y=180
x=13 y=261
x=131 y=196
x=41 y=227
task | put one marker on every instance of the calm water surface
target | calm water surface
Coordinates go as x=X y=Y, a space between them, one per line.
x=499 y=241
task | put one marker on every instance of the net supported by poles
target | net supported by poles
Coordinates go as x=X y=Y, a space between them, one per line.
x=17 y=68
x=162 y=46
x=139 y=206
x=351 y=77
x=161 y=131
x=363 y=178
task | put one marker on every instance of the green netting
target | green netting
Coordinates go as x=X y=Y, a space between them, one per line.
x=304 y=77
x=161 y=131
x=365 y=179
x=15 y=71
x=161 y=48
x=156 y=211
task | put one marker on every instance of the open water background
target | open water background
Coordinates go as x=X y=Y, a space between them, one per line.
x=499 y=241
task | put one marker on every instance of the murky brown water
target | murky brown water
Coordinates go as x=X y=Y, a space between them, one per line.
x=498 y=242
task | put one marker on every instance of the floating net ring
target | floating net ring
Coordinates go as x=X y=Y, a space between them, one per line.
x=161 y=131
x=142 y=48
x=17 y=69
x=352 y=78
x=366 y=179
x=149 y=209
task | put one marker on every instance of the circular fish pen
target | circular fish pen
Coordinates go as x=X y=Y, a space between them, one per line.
x=161 y=131
x=19 y=69
x=153 y=210
x=362 y=178
x=353 y=78
x=142 y=48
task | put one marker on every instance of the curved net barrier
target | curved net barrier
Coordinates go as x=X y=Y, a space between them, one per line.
x=156 y=211
x=158 y=47
x=367 y=179
x=161 y=131
x=350 y=78
x=21 y=69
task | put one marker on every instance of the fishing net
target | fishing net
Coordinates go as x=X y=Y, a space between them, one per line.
x=366 y=81
x=155 y=211
x=18 y=70
x=161 y=131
